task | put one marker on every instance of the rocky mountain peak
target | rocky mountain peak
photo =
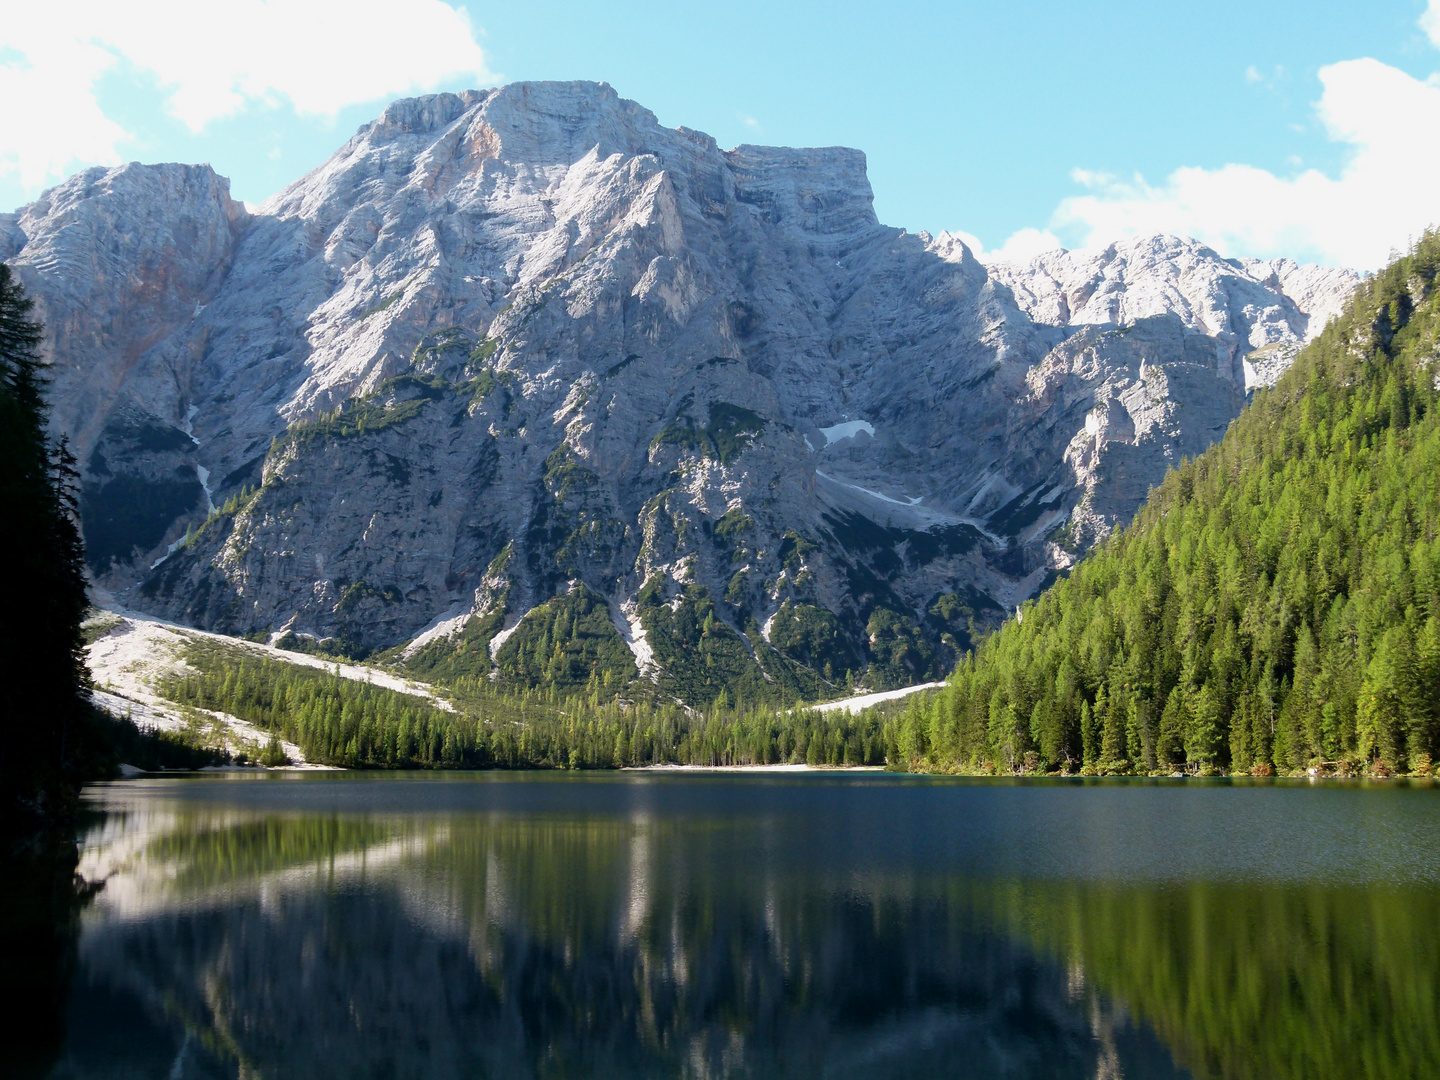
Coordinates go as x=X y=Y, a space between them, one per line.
x=1244 y=304
x=525 y=349
x=117 y=260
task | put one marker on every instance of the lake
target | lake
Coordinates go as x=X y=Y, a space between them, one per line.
x=680 y=924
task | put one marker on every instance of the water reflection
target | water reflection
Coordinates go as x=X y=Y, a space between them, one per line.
x=40 y=902
x=728 y=928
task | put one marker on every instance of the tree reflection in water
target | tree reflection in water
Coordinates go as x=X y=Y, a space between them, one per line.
x=234 y=940
x=40 y=903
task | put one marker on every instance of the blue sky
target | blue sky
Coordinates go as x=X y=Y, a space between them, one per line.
x=1263 y=128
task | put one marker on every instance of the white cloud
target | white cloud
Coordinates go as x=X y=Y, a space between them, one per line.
x=1022 y=246
x=52 y=119
x=213 y=61
x=1384 y=196
x=1430 y=22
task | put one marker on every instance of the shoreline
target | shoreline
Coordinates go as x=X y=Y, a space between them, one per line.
x=742 y=768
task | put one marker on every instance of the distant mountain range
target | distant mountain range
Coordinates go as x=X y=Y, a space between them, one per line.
x=524 y=354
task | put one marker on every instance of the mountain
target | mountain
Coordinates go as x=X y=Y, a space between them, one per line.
x=525 y=349
x=1274 y=607
x=1239 y=302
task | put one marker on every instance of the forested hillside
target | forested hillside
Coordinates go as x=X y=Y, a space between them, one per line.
x=338 y=721
x=1275 y=606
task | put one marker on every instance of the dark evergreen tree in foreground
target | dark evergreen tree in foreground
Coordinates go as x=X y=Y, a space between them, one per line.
x=42 y=669
x=1274 y=607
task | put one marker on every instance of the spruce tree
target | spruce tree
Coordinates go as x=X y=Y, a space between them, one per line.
x=42 y=668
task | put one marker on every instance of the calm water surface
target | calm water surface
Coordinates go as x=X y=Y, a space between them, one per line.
x=723 y=925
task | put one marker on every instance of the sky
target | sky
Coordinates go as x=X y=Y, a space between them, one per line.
x=1306 y=130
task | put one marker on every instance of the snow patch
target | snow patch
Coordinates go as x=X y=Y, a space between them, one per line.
x=632 y=630
x=847 y=430
x=203 y=475
x=444 y=626
x=873 y=494
x=860 y=702
x=504 y=636
x=168 y=552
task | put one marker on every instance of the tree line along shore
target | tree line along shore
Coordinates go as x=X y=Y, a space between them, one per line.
x=1273 y=609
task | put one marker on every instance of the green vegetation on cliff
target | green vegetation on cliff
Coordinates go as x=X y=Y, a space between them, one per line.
x=568 y=642
x=1274 y=606
x=731 y=431
x=394 y=402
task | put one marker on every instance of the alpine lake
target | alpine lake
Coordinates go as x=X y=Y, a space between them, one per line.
x=752 y=924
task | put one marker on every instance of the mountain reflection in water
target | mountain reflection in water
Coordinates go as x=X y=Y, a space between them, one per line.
x=748 y=927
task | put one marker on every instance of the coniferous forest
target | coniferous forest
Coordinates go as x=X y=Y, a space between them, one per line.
x=340 y=721
x=1275 y=606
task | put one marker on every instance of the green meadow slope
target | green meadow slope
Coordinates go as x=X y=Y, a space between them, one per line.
x=1275 y=606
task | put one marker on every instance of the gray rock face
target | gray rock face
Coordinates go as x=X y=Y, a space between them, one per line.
x=1244 y=304
x=120 y=263
x=505 y=342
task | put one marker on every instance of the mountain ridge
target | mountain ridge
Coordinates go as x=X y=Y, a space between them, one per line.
x=531 y=320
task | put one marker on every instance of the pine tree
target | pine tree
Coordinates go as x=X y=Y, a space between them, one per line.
x=1112 y=740
x=42 y=668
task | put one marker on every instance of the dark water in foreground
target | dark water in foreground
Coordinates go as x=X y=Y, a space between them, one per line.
x=618 y=925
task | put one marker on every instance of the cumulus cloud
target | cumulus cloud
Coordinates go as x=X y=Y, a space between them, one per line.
x=52 y=118
x=212 y=61
x=1384 y=196
x=1022 y=246
x=1430 y=22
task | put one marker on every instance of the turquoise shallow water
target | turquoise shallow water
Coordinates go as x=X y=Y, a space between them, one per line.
x=754 y=925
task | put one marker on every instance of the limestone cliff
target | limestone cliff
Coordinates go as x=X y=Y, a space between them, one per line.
x=511 y=346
